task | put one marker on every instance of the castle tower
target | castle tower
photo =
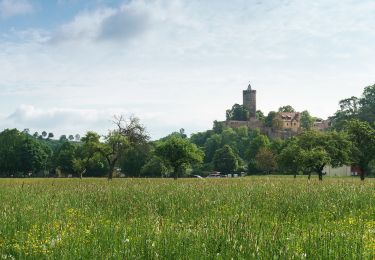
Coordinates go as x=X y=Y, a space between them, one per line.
x=250 y=100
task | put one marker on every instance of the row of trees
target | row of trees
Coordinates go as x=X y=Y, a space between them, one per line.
x=22 y=154
x=127 y=150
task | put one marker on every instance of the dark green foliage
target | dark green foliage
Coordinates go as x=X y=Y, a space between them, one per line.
x=238 y=113
x=134 y=159
x=34 y=156
x=200 y=138
x=312 y=151
x=155 y=167
x=260 y=141
x=269 y=120
x=307 y=121
x=212 y=144
x=356 y=108
x=225 y=160
x=218 y=127
x=363 y=137
x=21 y=154
x=367 y=102
x=266 y=160
x=287 y=108
x=63 y=158
x=178 y=152
x=260 y=116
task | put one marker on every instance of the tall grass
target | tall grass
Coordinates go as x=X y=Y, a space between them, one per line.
x=247 y=218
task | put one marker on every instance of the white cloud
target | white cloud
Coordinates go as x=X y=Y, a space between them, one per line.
x=57 y=118
x=187 y=61
x=112 y=24
x=9 y=8
x=66 y=120
x=124 y=23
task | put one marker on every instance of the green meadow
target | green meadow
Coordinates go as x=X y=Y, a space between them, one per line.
x=243 y=218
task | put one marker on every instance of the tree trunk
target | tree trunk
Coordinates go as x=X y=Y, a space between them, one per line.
x=362 y=175
x=111 y=169
x=309 y=176
x=175 y=173
x=320 y=172
x=295 y=175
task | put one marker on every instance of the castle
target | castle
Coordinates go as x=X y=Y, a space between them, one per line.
x=250 y=100
x=285 y=124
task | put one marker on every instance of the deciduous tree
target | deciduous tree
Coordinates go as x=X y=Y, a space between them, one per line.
x=178 y=152
x=225 y=160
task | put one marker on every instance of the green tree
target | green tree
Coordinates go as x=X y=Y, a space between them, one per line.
x=266 y=160
x=260 y=116
x=321 y=149
x=269 y=120
x=200 y=138
x=287 y=108
x=349 y=109
x=135 y=158
x=260 y=141
x=307 y=121
x=63 y=158
x=218 y=127
x=113 y=148
x=86 y=153
x=155 y=167
x=363 y=138
x=238 y=113
x=213 y=143
x=129 y=132
x=225 y=160
x=178 y=153
x=367 y=102
x=11 y=141
x=33 y=156
x=290 y=158
x=315 y=160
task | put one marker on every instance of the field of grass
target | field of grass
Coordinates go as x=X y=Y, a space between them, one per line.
x=245 y=218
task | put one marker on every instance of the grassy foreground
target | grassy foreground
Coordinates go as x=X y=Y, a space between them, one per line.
x=247 y=218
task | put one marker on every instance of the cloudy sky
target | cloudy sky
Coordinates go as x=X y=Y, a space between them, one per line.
x=67 y=66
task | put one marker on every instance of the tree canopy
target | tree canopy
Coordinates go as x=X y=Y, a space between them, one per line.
x=178 y=152
x=238 y=113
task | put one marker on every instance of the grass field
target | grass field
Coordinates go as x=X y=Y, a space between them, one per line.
x=245 y=218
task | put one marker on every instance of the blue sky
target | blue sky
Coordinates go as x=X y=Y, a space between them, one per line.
x=67 y=66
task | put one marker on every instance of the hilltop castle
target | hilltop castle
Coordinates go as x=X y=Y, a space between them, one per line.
x=250 y=100
x=285 y=124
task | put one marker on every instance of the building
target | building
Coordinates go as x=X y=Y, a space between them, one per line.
x=286 y=124
x=321 y=124
x=289 y=121
x=250 y=101
x=338 y=171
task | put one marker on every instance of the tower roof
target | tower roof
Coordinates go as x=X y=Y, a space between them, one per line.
x=249 y=87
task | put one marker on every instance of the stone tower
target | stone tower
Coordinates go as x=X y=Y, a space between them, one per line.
x=250 y=100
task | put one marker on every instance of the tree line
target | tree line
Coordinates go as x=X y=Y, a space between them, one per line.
x=127 y=150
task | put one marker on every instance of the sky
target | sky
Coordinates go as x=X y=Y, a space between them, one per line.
x=68 y=66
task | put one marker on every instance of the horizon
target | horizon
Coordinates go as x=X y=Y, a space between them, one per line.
x=68 y=66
